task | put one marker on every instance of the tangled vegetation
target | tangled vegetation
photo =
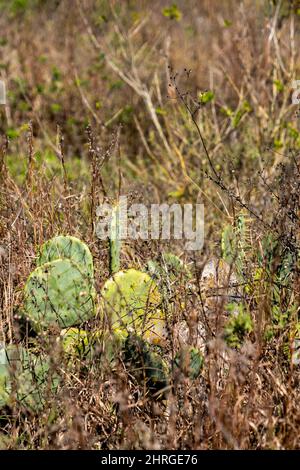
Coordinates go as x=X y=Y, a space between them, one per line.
x=142 y=344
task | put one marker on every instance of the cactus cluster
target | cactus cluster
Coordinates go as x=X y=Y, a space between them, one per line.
x=59 y=295
x=60 y=290
x=132 y=303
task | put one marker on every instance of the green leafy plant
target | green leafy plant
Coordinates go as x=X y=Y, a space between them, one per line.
x=172 y=12
x=277 y=264
x=206 y=97
x=235 y=242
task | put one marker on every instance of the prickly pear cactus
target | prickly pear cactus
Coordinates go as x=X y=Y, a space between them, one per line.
x=111 y=345
x=72 y=248
x=5 y=385
x=28 y=378
x=146 y=365
x=155 y=330
x=76 y=342
x=35 y=380
x=238 y=326
x=58 y=293
x=131 y=301
x=115 y=241
x=189 y=361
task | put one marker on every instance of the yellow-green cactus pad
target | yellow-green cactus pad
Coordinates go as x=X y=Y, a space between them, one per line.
x=155 y=332
x=75 y=342
x=58 y=293
x=131 y=302
x=110 y=345
x=72 y=248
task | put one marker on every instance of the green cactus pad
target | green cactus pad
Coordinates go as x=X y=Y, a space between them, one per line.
x=110 y=345
x=131 y=301
x=35 y=380
x=115 y=241
x=146 y=364
x=5 y=385
x=75 y=342
x=72 y=248
x=58 y=293
x=28 y=378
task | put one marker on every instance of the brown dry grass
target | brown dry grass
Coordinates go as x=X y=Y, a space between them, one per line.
x=105 y=64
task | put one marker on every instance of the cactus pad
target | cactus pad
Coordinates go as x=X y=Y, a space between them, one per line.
x=28 y=378
x=58 y=293
x=115 y=241
x=131 y=300
x=72 y=248
x=5 y=385
x=75 y=342
x=146 y=364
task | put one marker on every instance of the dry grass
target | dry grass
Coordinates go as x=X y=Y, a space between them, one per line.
x=90 y=98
